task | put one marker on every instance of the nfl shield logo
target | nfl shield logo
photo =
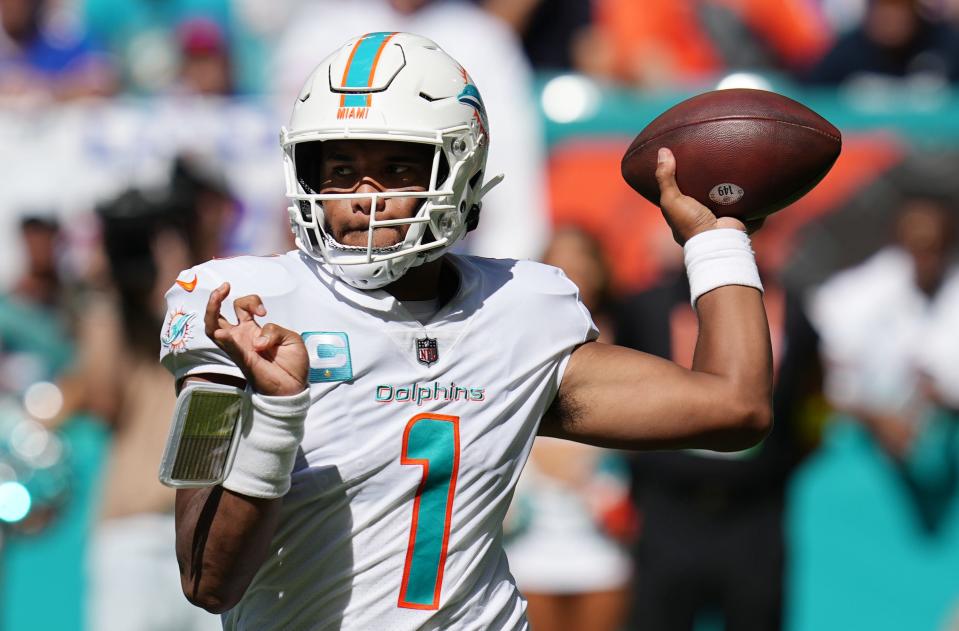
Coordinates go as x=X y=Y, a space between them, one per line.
x=426 y=351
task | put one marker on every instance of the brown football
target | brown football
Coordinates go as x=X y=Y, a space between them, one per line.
x=742 y=153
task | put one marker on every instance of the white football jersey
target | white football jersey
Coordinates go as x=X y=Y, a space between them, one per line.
x=414 y=440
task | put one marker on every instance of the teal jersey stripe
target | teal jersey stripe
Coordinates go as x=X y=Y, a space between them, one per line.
x=360 y=72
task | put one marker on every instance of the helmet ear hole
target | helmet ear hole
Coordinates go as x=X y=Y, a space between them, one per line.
x=308 y=157
x=472 y=219
x=443 y=169
x=476 y=179
x=306 y=212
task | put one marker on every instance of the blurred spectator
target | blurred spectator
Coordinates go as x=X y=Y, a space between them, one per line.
x=35 y=315
x=145 y=37
x=513 y=222
x=888 y=337
x=34 y=323
x=897 y=38
x=712 y=538
x=132 y=582
x=571 y=514
x=40 y=282
x=666 y=42
x=550 y=29
x=204 y=59
x=44 y=54
x=34 y=349
x=147 y=240
x=207 y=210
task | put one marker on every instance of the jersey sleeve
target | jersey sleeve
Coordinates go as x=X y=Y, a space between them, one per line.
x=580 y=326
x=561 y=320
x=185 y=348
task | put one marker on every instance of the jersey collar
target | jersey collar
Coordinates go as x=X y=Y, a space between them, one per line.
x=382 y=304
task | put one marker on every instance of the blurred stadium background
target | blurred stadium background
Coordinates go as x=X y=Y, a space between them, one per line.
x=140 y=136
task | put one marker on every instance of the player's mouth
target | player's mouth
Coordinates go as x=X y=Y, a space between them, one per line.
x=384 y=239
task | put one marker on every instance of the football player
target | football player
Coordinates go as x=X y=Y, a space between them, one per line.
x=394 y=388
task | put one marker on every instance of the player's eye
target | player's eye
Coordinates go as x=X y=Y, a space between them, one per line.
x=404 y=174
x=342 y=171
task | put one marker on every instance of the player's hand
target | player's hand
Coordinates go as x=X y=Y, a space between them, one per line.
x=273 y=359
x=685 y=216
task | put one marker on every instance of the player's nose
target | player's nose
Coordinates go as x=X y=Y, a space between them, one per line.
x=365 y=204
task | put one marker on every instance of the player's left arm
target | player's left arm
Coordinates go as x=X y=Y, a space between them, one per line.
x=617 y=397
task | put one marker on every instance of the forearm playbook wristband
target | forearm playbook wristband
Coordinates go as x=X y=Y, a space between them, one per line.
x=204 y=435
x=720 y=257
x=224 y=435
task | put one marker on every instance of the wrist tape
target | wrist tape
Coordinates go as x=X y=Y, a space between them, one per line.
x=719 y=257
x=268 y=444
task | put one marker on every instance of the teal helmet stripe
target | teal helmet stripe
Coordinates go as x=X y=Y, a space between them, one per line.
x=361 y=66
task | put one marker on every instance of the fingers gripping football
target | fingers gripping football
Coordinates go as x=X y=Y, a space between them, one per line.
x=685 y=216
x=273 y=359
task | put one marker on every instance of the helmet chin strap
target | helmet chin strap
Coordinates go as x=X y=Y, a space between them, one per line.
x=362 y=276
x=373 y=275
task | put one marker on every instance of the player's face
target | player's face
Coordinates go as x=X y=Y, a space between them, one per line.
x=369 y=166
x=926 y=231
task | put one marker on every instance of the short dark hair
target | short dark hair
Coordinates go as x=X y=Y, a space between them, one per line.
x=38 y=221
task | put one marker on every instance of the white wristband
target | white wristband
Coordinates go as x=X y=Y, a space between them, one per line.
x=720 y=257
x=269 y=441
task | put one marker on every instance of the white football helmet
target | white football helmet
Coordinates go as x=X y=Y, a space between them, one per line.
x=398 y=87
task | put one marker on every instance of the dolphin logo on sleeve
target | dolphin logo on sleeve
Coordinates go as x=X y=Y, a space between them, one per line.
x=178 y=331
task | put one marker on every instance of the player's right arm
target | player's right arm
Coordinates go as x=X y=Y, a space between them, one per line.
x=222 y=539
x=624 y=399
x=222 y=536
x=618 y=397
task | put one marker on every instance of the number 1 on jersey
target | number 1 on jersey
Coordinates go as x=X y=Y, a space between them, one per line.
x=431 y=441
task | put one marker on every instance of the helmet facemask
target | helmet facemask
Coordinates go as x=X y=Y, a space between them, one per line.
x=438 y=222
